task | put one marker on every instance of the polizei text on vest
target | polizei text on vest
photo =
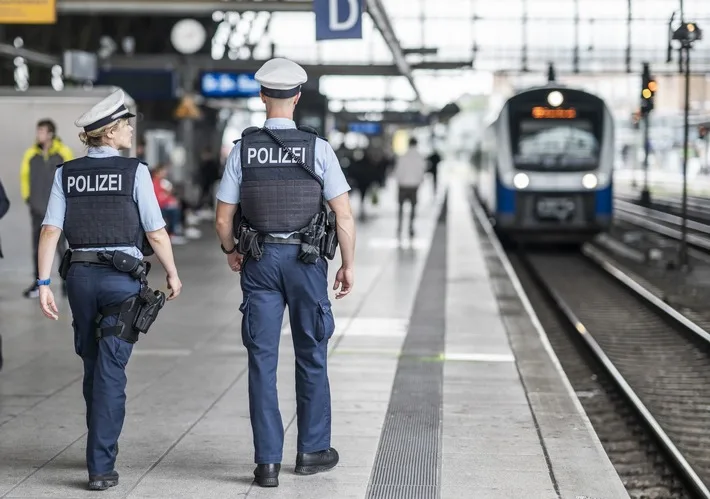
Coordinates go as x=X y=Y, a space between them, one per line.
x=274 y=155
x=99 y=182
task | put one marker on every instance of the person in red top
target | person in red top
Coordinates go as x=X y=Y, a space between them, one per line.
x=169 y=204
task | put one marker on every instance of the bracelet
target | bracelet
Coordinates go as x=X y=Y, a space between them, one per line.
x=45 y=282
x=233 y=250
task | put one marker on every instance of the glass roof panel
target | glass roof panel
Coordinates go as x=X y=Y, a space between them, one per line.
x=459 y=9
x=603 y=9
x=550 y=9
x=503 y=35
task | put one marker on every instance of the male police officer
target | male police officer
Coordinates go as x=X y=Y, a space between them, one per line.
x=106 y=205
x=278 y=197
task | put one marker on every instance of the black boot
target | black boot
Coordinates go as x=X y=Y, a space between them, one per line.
x=103 y=482
x=267 y=475
x=316 y=462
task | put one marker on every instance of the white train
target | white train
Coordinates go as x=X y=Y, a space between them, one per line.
x=543 y=167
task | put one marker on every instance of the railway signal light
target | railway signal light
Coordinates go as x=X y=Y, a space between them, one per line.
x=648 y=89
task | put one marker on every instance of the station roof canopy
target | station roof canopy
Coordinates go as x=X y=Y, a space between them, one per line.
x=477 y=37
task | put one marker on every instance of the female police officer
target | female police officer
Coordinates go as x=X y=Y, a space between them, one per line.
x=106 y=206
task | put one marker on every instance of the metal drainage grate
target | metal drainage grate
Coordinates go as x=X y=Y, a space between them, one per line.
x=409 y=455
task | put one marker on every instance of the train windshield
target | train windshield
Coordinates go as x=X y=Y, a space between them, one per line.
x=556 y=145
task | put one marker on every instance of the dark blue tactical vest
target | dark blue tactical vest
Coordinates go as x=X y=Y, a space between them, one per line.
x=277 y=194
x=101 y=211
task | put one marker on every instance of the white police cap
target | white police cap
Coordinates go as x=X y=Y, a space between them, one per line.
x=281 y=78
x=105 y=112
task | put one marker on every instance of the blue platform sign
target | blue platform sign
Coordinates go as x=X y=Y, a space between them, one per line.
x=229 y=85
x=338 y=19
x=365 y=127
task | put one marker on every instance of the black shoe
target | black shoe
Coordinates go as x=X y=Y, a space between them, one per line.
x=103 y=482
x=316 y=462
x=31 y=292
x=267 y=475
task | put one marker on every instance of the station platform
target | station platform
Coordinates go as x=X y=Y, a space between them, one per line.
x=436 y=390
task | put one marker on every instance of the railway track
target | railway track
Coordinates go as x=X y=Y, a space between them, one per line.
x=698 y=207
x=663 y=223
x=640 y=369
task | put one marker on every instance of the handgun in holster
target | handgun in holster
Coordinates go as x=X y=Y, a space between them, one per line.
x=329 y=243
x=311 y=237
x=65 y=264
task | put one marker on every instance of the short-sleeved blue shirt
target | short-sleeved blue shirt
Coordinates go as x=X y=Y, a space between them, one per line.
x=327 y=167
x=143 y=195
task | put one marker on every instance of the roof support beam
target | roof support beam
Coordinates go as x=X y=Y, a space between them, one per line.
x=177 y=8
x=383 y=24
x=206 y=63
x=31 y=56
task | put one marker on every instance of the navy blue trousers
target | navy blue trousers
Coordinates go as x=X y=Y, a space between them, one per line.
x=90 y=287
x=277 y=280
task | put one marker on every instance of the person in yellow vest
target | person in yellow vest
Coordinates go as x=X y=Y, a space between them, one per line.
x=39 y=165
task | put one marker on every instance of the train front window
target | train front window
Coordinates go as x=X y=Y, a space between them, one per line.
x=555 y=145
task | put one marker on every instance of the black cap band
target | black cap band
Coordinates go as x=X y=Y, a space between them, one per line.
x=280 y=94
x=121 y=112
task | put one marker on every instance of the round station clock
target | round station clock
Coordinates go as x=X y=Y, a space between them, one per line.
x=188 y=36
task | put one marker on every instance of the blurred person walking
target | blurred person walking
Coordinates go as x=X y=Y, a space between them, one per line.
x=409 y=171
x=37 y=170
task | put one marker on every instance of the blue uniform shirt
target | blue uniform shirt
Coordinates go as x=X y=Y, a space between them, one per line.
x=327 y=167
x=143 y=195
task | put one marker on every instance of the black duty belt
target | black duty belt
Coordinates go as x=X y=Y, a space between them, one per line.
x=292 y=239
x=98 y=258
x=123 y=262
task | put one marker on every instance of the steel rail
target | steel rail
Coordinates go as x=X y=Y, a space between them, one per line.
x=640 y=220
x=685 y=469
x=675 y=455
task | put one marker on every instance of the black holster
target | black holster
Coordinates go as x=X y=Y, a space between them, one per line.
x=311 y=237
x=136 y=314
x=250 y=242
x=65 y=264
x=152 y=302
x=329 y=243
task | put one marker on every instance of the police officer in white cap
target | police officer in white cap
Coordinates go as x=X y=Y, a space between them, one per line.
x=106 y=206
x=282 y=177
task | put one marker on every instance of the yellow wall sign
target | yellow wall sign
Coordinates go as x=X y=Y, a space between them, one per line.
x=28 y=12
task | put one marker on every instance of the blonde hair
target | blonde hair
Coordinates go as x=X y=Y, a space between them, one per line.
x=95 y=138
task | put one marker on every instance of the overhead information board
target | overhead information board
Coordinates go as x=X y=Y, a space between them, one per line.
x=229 y=85
x=28 y=12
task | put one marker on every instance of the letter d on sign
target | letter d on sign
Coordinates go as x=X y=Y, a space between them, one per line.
x=338 y=19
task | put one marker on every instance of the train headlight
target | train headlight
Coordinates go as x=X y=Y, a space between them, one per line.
x=590 y=181
x=521 y=181
x=555 y=98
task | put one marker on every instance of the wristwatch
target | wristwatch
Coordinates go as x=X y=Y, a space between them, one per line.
x=44 y=282
x=234 y=250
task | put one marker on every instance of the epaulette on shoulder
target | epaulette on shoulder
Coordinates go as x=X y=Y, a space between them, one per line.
x=308 y=129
